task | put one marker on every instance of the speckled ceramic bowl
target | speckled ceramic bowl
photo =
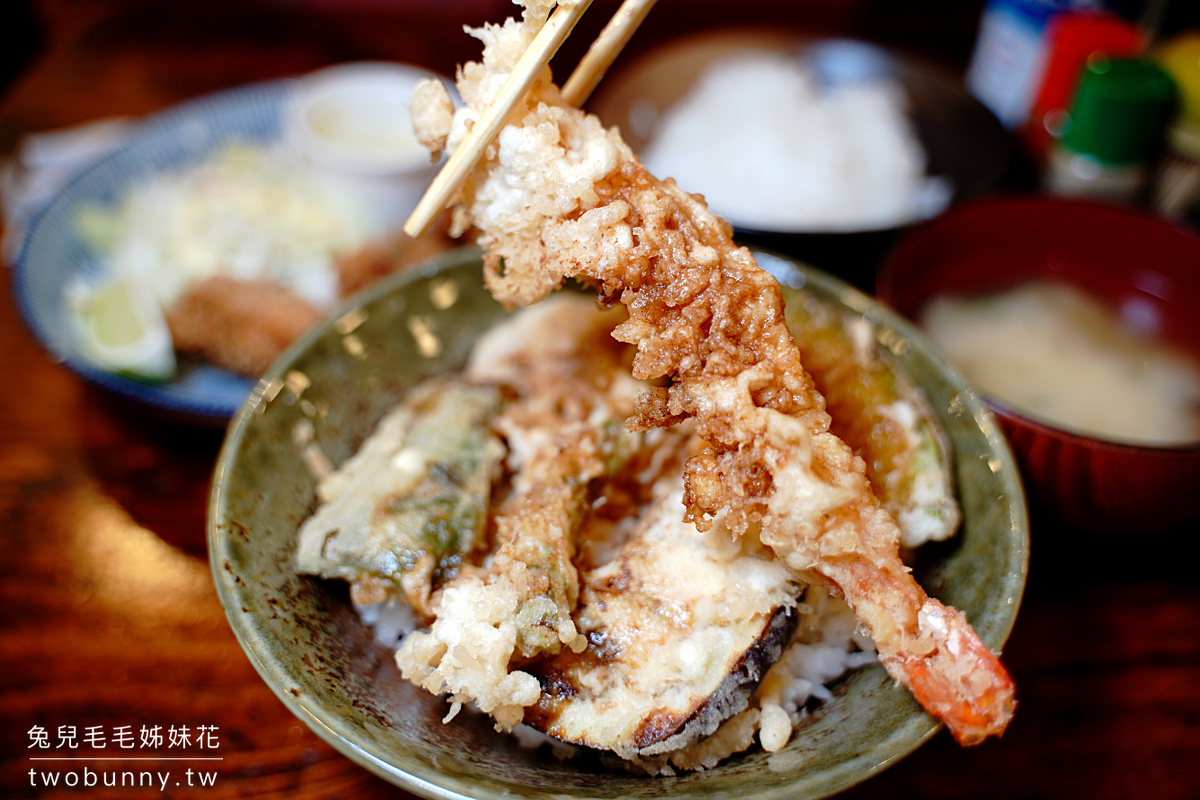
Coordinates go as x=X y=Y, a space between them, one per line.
x=324 y=396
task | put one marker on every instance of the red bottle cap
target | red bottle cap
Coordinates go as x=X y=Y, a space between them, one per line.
x=1072 y=39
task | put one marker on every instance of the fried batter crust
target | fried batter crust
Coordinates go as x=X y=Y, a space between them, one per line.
x=239 y=325
x=572 y=387
x=244 y=325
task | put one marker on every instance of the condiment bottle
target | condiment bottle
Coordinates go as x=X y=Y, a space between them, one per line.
x=1177 y=189
x=1114 y=130
x=1009 y=54
x=1074 y=37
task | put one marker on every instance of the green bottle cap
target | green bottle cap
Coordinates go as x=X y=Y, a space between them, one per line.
x=1120 y=111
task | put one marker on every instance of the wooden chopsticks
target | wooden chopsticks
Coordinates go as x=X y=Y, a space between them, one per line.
x=604 y=50
x=530 y=65
x=577 y=89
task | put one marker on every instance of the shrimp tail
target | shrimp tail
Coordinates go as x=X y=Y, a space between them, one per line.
x=961 y=682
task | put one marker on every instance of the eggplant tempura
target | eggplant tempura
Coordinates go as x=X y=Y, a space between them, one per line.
x=557 y=196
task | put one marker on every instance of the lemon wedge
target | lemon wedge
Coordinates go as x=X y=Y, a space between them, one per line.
x=122 y=328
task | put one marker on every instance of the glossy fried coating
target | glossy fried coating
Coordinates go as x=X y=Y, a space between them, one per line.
x=562 y=431
x=244 y=325
x=239 y=325
x=878 y=410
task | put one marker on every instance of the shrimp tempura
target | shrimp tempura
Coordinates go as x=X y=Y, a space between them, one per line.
x=557 y=196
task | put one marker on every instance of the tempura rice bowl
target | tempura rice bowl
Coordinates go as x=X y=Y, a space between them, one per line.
x=324 y=396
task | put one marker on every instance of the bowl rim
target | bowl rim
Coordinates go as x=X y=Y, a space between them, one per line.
x=1008 y=412
x=336 y=730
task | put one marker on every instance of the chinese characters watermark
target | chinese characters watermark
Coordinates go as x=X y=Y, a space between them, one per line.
x=76 y=748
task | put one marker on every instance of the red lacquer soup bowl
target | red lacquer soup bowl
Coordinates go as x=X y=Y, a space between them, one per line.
x=1137 y=265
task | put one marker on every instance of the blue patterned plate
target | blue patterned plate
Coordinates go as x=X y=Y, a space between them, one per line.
x=54 y=253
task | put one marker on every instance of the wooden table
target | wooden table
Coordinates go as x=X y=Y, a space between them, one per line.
x=111 y=623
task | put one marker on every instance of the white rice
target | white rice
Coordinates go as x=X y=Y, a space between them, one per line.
x=390 y=620
x=771 y=149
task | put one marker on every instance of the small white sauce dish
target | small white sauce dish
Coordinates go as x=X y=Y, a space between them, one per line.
x=350 y=125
